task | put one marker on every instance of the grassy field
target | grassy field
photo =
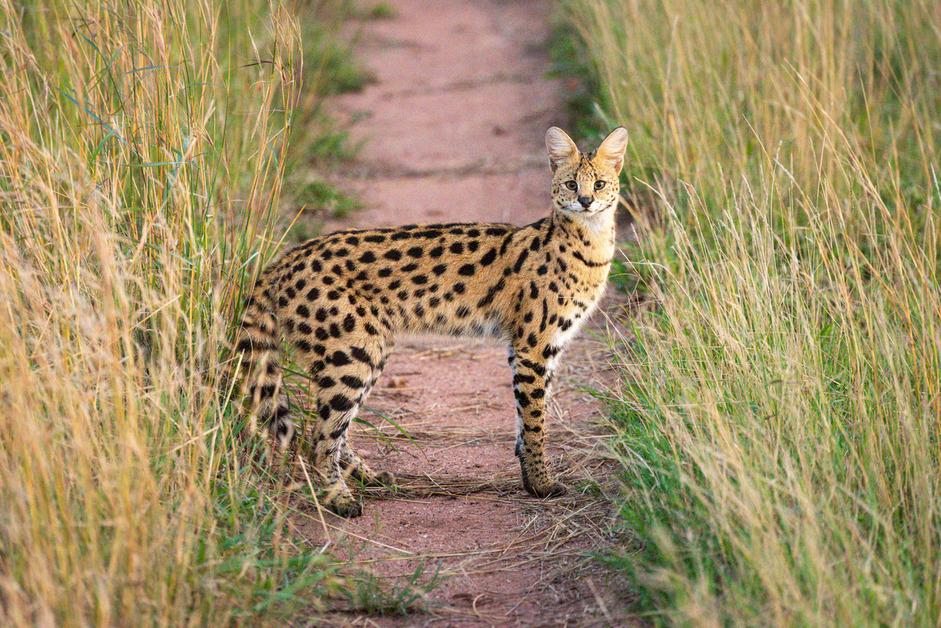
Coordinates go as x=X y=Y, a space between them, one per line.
x=781 y=409
x=143 y=149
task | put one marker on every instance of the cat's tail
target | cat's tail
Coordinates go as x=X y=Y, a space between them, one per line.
x=256 y=362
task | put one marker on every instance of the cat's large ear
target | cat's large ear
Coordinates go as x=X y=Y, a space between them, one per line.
x=611 y=150
x=560 y=147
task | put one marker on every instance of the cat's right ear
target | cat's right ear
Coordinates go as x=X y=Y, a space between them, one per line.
x=560 y=147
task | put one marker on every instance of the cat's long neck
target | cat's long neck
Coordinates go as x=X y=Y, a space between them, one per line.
x=590 y=236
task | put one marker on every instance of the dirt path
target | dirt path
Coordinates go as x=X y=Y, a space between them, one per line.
x=452 y=131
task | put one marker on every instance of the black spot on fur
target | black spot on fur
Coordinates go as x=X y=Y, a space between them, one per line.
x=360 y=354
x=341 y=403
x=353 y=382
x=519 y=378
x=339 y=358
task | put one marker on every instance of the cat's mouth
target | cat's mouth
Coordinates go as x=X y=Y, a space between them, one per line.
x=578 y=208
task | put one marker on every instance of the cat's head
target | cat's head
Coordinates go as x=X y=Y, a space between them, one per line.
x=585 y=183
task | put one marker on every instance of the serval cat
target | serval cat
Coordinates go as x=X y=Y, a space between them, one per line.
x=341 y=299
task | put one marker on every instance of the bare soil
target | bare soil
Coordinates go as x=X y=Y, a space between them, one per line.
x=452 y=130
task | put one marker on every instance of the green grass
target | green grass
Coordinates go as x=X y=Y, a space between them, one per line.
x=143 y=151
x=320 y=195
x=779 y=416
x=381 y=11
x=371 y=595
x=317 y=143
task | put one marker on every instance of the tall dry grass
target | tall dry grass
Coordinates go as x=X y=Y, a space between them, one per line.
x=142 y=150
x=781 y=408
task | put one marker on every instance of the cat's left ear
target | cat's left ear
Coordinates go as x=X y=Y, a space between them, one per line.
x=611 y=150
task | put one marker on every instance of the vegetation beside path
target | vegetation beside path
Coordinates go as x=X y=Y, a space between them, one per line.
x=144 y=149
x=781 y=398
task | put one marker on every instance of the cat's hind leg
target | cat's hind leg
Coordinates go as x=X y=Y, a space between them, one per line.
x=346 y=372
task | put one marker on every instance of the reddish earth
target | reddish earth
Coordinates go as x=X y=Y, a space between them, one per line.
x=452 y=130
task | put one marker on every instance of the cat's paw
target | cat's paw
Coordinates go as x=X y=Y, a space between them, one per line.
x=548 y=489
x=383 y=478
x=540 y=484
x=345 y=506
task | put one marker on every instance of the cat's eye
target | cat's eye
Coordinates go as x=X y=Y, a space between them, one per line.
x=571 y=185
x=599 y=184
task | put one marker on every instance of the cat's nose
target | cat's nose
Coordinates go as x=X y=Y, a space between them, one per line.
x=585 y=201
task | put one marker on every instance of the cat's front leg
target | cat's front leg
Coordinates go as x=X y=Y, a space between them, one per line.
x=531 y=378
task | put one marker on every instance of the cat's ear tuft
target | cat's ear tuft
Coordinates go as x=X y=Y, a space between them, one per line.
x=560 y=147
x=611 y=150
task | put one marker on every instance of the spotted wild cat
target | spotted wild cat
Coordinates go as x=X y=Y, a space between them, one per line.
x=341 y=299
